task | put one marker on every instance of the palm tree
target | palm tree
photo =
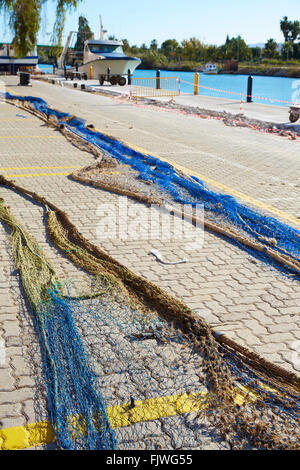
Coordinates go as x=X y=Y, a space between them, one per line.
x=270 y=48
x=286 y=26
x=295 y=31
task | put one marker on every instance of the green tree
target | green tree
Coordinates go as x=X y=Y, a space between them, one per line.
x=43 y=55
x=209 y=53
x=154 y=45
x=290 y=29
x=84 y=33
x=295 y=31
x=287 y=50
x=270 y=50
x=126 y=45
x=236 y=48
x=193 y=49
x=153 y=59
x=285 y=26
x=25 y=17
x=169 y=47
x=296 y=51
x=256 y=53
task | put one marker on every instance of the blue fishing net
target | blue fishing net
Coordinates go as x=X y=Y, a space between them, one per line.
x=226 y=209
x=104 y=358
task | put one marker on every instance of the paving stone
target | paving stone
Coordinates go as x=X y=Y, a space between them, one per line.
x=7 y=382
x=248 y=300
x=10 y=410
x=16 y=396
x=12 y=422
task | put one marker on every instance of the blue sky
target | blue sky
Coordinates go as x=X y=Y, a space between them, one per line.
x=210 y=21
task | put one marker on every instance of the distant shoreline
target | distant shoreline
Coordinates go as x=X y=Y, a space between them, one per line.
x=286 y=72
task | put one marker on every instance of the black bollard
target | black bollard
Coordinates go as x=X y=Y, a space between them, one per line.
x=158 y=79
x=249 y=91
x=129 y=77
x=108 y=74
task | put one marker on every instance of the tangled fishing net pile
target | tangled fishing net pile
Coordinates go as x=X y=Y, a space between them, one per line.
x=126 y=337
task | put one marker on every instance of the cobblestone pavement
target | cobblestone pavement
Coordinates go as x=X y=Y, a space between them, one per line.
x=253 y=303
x=265 y=167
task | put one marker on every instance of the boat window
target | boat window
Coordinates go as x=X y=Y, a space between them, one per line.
x=96 y=48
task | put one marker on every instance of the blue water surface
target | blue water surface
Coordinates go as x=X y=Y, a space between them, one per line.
x=273 y=88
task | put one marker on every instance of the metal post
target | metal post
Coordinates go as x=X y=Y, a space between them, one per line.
x=249 y=91
x=129 y=77
x=108 y=74
x=196 y=84
x=158 y=79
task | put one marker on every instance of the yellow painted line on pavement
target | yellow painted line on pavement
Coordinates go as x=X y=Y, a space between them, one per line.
x=13 y=91
x=39 y=167
x=227 y=189
x=222 y=187
x=42 y=433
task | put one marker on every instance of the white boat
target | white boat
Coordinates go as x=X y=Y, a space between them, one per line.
x=104 y=59
x=211 y=69
x=107 y=60
x=10 y=63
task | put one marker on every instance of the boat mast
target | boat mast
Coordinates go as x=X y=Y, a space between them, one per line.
x=62 y=57
x=102 y=31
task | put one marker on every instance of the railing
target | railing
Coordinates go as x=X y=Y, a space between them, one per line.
x=155 y=87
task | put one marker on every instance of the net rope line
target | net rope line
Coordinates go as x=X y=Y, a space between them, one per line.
x=167 y=305
x=84 y=254
x=96 y=150
x=266 y=239
x=73 y=133
x=40 y=283
x=63 y=233
x=169 y=309
x=284 y=257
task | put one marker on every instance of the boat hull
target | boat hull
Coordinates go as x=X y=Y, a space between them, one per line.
x=23 y=62
x=115 y=66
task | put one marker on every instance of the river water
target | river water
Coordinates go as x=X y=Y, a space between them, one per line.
x=273 y=88
x=265 y=89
